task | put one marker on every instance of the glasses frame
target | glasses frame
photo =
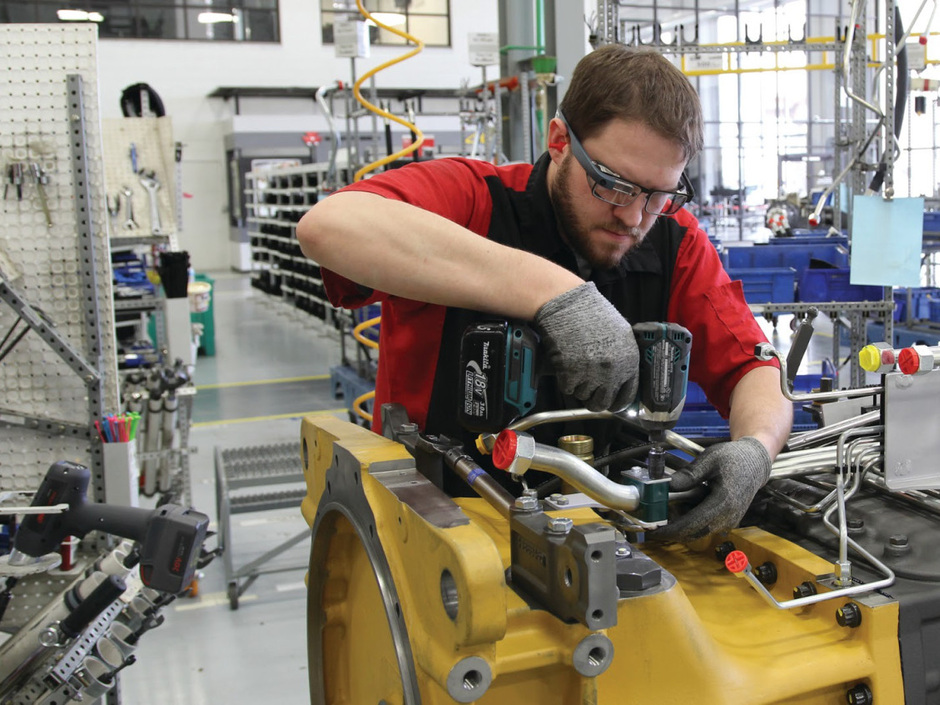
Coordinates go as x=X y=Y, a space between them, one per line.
x=632 y=191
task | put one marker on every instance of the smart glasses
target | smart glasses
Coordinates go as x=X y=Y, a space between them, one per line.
x=610 y=188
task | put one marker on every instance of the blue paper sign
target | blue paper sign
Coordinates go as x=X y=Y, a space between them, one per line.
x=887 y=241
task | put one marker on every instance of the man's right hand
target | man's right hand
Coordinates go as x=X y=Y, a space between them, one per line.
x=591 y=348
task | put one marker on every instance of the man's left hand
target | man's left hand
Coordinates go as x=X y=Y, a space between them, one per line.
x=735 y=471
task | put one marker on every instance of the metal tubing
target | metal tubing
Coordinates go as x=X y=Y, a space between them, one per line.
x=674 y=439
x=767 y=351
x=585 y=478
x=799 y=441
x=480 y=481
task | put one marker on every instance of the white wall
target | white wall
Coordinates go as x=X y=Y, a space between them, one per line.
x=183 y=73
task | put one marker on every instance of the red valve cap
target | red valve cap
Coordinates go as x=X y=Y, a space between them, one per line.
x=504 y=450
x=736 y=561
x=908 y=361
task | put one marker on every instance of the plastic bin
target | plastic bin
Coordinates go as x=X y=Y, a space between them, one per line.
x=934 y=306
x=921 y=298
x=766 y=284
x=797 y=255
x=810 y=239
x=932 y=221
x=833 y=285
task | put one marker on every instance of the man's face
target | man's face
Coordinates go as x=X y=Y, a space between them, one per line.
x=600 y=232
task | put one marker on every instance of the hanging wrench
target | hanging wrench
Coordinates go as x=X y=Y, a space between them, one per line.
x=129 y=222
x=150 y=182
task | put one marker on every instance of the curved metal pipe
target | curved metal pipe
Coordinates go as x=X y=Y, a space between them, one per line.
x=628 y=418
x=765 y=351
x=583 y=477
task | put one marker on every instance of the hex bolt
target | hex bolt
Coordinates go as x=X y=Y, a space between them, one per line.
x=559 y=525
x=408 y=428
x=723 y=549
x=766 y=573
x=859 y=695
x=804 y=589
x=897 y=545
x=849 y=615
x=855 y=525
x=526 y=504
x=622 y=552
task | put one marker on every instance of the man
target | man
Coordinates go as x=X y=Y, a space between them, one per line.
x=586 y=241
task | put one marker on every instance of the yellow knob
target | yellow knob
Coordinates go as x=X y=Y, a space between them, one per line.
x=869 y=358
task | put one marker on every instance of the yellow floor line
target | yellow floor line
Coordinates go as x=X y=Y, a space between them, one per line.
x=296 y=414
x=283 y=380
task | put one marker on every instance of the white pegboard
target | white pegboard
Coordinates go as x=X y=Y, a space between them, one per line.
x=155 y=151
x=36 y=124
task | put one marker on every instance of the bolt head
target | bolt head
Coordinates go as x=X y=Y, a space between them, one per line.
x=898 y=540
x=526 y=504
x=559 y=525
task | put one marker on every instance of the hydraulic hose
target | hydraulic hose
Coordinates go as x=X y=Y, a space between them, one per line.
x=900 y=101
x=415 y=146
x=419 y=136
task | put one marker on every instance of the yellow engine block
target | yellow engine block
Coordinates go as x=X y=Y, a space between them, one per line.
x=409 y=602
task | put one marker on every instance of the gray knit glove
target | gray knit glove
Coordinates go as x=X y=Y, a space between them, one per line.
x=735 y=471
x=591 y=348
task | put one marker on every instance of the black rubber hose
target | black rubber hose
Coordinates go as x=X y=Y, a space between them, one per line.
x=901 y=86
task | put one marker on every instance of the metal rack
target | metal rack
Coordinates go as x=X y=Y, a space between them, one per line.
x=256 y=479
x=55 y=276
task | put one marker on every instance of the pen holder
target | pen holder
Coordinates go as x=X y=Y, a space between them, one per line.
x=121 y=475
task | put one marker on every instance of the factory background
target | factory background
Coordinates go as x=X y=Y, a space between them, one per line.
x=195 y=136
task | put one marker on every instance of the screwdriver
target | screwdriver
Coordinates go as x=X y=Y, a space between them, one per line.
x=41 y=180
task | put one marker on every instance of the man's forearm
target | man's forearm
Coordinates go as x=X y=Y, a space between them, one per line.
x=759 y=409
x=402 y=250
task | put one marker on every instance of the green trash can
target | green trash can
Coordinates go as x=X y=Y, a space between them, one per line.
x=201 y=306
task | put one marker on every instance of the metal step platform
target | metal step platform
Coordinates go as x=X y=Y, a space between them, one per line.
x=254 y=479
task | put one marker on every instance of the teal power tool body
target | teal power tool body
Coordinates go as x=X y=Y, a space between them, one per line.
x=170 y=536
x=663 y=383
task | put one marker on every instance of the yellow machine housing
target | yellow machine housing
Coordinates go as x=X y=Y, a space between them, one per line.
x=409 y=602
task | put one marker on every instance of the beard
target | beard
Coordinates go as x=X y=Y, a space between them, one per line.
x=600 y=252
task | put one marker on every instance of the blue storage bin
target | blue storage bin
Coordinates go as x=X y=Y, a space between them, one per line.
x=934 y=309
x=833 y=285
x=921 y=298
x=932 y=221
x=813 y=239
x=797 y=256
x=700 y=418
x=766 y=284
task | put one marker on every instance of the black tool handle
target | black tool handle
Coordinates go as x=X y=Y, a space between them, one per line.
x=96 y=603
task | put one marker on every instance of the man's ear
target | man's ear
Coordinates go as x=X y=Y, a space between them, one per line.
x=557 y=139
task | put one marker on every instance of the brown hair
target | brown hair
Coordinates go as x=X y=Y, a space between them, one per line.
x=636 y=85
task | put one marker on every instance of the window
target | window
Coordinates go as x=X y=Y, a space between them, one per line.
x=221 y=20
x=428 y=20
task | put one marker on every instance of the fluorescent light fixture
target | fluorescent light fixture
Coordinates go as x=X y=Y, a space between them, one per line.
x=79 y=16
x=215 y=17
x=392 y=19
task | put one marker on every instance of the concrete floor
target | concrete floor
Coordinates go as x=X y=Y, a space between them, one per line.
x=271 y=367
